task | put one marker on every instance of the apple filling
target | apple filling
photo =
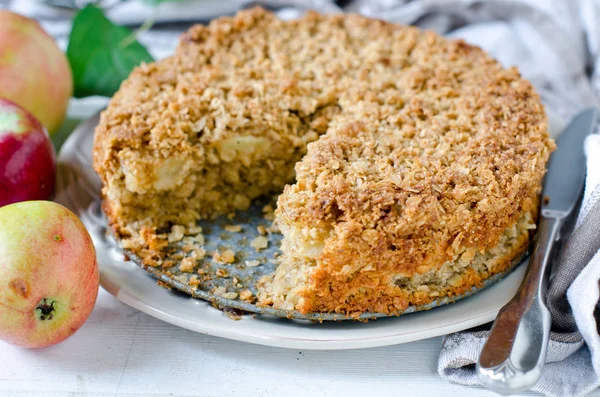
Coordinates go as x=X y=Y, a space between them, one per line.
x=215 y=178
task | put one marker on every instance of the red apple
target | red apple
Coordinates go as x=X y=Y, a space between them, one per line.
x=27 y=164
x=34 y=72
x=48 y=273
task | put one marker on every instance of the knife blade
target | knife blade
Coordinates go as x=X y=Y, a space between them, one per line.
x=566 y=168
x=513 y=357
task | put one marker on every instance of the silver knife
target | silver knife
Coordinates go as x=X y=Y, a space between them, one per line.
x=513 y=357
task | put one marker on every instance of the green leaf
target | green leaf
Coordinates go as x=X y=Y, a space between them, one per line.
x=101 y=53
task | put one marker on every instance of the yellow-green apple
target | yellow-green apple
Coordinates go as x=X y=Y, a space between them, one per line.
x=48 y=273
x=34 y=72
x=27 y=163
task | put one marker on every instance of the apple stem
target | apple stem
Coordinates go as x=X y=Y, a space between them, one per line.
x=45 y=309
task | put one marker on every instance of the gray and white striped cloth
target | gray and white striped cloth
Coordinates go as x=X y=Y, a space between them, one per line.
x=555 y=44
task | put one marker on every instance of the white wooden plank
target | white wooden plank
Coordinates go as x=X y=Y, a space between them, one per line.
x=120 y=351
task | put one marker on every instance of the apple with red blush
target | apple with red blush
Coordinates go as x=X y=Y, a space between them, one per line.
x=27 y=160
x=48 y=273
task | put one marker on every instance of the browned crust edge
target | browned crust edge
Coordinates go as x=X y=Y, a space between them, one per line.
x=328 y=294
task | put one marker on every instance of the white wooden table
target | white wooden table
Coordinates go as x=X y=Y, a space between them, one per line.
x=123 y=352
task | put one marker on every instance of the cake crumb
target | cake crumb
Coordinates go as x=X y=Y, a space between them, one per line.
x=268 y=212
x=219 y=291
x=273 y=228
x=176 y=233
x=182 y=278
x=227 y=256
x=252 y=263
x=128 y=243
x=259 y=243
x=155 y=242
x=168 y=263
x=247 y=295
x=261 y=230
x=163 y=284
x=198 y=253
x=222 y=292
x=187 y=265
x=222 y=273
x=197 y=240
x=233 y=314
x=265 y=279
x=187 y=247
x=233 y=228
x=193 y=229
x=194 y=281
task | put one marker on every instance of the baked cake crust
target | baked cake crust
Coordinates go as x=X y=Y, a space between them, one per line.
x=425 y=151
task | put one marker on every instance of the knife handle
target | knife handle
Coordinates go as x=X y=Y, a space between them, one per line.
x=513 y=357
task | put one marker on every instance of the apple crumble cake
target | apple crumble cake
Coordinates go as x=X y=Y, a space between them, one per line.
x=413 y=162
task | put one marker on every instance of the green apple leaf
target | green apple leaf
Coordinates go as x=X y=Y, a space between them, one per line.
x=101 y=53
